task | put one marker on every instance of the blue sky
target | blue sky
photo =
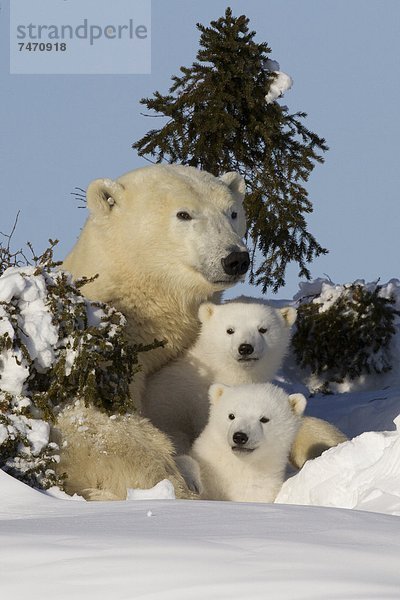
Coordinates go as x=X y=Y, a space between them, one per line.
x=62 y=131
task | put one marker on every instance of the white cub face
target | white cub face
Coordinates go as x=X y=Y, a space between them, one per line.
x=246 y=332
x=255 y=420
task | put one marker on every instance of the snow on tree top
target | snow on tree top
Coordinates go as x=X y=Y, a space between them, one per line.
x=279 y=86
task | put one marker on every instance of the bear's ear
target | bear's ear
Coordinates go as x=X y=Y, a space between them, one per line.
x=235 y=183
x=289 y=313
x=103 y=194
x=206 y=311
x=216 y=391
x=297 y=403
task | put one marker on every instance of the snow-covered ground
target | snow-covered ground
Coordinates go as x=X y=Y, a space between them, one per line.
x=180 y=550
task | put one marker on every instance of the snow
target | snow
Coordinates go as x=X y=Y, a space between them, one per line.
x=39 y=434
x=363 y=473
x=3 y=434
x=356 y=412
x=281 y=83
x=328 y=292
x=164 y=490
x=165 y=549
x=12 y=283
x=14 y=372
x=59 y=549
x=279 y=86
x=27 y=293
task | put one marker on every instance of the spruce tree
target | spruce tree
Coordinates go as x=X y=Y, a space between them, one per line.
x=219 y=120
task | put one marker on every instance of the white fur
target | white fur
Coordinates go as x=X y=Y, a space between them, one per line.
x=103 y=457
x=176 y=398
x=313 y=438
x=250 y=470
x=156 y=269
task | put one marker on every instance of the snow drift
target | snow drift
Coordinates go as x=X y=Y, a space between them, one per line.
x=175 y=550
x=363 y=473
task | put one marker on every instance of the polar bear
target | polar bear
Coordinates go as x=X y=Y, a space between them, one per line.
x=161 y=240
x=243 y=450
x=241 y=341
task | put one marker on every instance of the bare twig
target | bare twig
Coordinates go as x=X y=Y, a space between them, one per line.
x=9 y=236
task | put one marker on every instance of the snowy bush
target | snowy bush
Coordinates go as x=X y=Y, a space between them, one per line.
x=55 y=345
x=345 y=331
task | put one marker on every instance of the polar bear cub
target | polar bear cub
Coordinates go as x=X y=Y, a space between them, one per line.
x=241 y=341
x=243 y=450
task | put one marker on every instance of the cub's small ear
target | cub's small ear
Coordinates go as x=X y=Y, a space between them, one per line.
x=103 y=194
x=289 y=313
x=297 y=403
x=235 y=183
x=216 y=391
x=206 y=311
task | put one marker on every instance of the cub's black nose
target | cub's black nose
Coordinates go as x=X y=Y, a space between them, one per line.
x=236 y=263
x=245 y=349
x=240 y=438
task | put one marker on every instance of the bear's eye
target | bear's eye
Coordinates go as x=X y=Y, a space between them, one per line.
x=231 y=416
x=264 y=420
x=230 y=331
x=183 y=216
x=263 y=330
x=234 y=215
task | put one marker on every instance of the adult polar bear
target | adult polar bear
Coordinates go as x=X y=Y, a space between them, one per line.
x=162 y=240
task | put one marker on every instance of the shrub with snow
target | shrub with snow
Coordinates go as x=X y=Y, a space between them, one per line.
x=345 y=331
x=55 y=346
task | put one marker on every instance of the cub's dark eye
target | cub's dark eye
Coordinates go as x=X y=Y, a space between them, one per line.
x=263 y=330
x=231 y=416
x=234 y=215
x=230 y=331
x=264 y=420
x=183 y=216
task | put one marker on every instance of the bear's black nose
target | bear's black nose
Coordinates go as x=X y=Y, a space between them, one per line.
x=240 y=438
x=236 y=263
x=245 y=349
